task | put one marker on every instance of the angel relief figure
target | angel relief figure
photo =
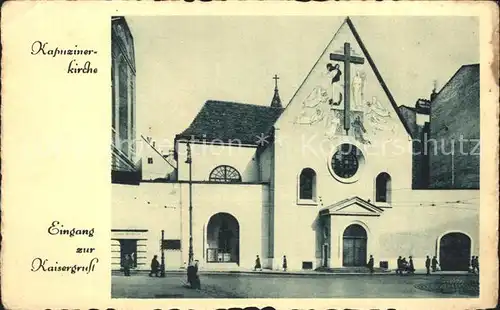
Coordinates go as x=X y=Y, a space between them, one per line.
x=378 y=116
x=312 y=107
x=336 y=92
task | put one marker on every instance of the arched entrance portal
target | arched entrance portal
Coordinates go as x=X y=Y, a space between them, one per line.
x=454 y=252
x=223 y=239
x=354 y=246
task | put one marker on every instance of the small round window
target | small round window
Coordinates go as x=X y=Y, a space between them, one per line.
x=345 y=162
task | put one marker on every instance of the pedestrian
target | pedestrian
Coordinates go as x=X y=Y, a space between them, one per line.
x=411 y=266
x=472 y=265
x=370 y=264
x=434 y=264
x=428 y=265
x=155 y=266
x=284 y=263
x=191 y=275
x=257 y=264
x=477 y=263
x=399 y=264
x=127 y=263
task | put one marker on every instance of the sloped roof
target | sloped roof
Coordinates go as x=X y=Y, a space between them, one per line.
x=466 y=76
x=345 y=207
x=232 y=121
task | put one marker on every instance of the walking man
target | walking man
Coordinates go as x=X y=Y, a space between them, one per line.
x=257 y=264
x=370 y=264
x=477 y=263
x=428 y=265
x=284 y=263
x=434 y=264
x=155 y=266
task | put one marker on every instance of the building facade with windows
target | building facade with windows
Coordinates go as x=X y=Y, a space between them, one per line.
x=326 y=182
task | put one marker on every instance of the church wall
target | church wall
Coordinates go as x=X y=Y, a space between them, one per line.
x=297 y=233
x=207 y=157
x=313 y=126
x=265 y=165
x=243 y=201
x=141 y=212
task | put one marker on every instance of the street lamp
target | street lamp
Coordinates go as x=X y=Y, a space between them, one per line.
x=162 y=247
x=189 y=161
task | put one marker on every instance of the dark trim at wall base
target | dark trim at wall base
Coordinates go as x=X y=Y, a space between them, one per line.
x=125 y=177
x=129 y=230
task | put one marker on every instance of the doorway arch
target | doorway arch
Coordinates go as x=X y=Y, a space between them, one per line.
x=454 y=251
x=354 y=246
x=223 y=239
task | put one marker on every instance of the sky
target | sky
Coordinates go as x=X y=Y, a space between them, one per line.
x=183 y=61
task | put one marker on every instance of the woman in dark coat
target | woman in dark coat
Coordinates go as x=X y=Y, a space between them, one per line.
x=411 y=268
x=127 y=263
x=284 y=263
x=257 y=263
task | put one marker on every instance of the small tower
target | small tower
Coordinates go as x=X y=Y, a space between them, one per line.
x=276 y=102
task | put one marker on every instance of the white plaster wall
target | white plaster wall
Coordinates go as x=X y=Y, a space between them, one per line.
x=420 y=217
x=206 y=157
x=265 y=160
x=151 y=206
x=295 y=226
x=158 y=169
x=244 y=202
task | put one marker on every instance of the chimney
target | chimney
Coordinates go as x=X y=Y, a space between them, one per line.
x=434 y=93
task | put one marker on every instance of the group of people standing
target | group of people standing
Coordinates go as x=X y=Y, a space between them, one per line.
x=405 y=266
x=474 y=264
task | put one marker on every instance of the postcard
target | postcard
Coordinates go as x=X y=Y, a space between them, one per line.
x=223 y=155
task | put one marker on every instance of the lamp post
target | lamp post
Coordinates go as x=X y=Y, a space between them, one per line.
x=162 y=271
x=189 y=161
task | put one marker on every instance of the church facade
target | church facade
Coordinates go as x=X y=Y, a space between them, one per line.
x=326 y=181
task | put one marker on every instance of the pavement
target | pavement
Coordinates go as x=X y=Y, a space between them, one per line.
x=274 y=284
x=338 y=271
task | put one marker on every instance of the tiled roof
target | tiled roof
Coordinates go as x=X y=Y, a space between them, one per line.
x=231 y=121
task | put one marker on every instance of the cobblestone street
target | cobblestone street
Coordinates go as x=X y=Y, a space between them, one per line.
x=293 y=286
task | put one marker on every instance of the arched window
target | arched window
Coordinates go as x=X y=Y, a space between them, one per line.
x=225 y=174
x=307 y=188
x=383 y=188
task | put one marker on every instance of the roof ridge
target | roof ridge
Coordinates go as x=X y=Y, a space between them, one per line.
x=239 y=103
x=452 y=78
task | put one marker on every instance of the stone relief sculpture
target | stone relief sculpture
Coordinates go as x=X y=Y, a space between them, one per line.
x=358 y=89
x=332 y=123
x=378 y=116
x=336 y=89
x=359 y=130
x=312 y=107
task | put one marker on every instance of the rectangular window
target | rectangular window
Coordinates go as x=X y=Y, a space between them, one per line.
x=307 y=265
x=150 y=160
x=123 y=125
x=172 y=244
